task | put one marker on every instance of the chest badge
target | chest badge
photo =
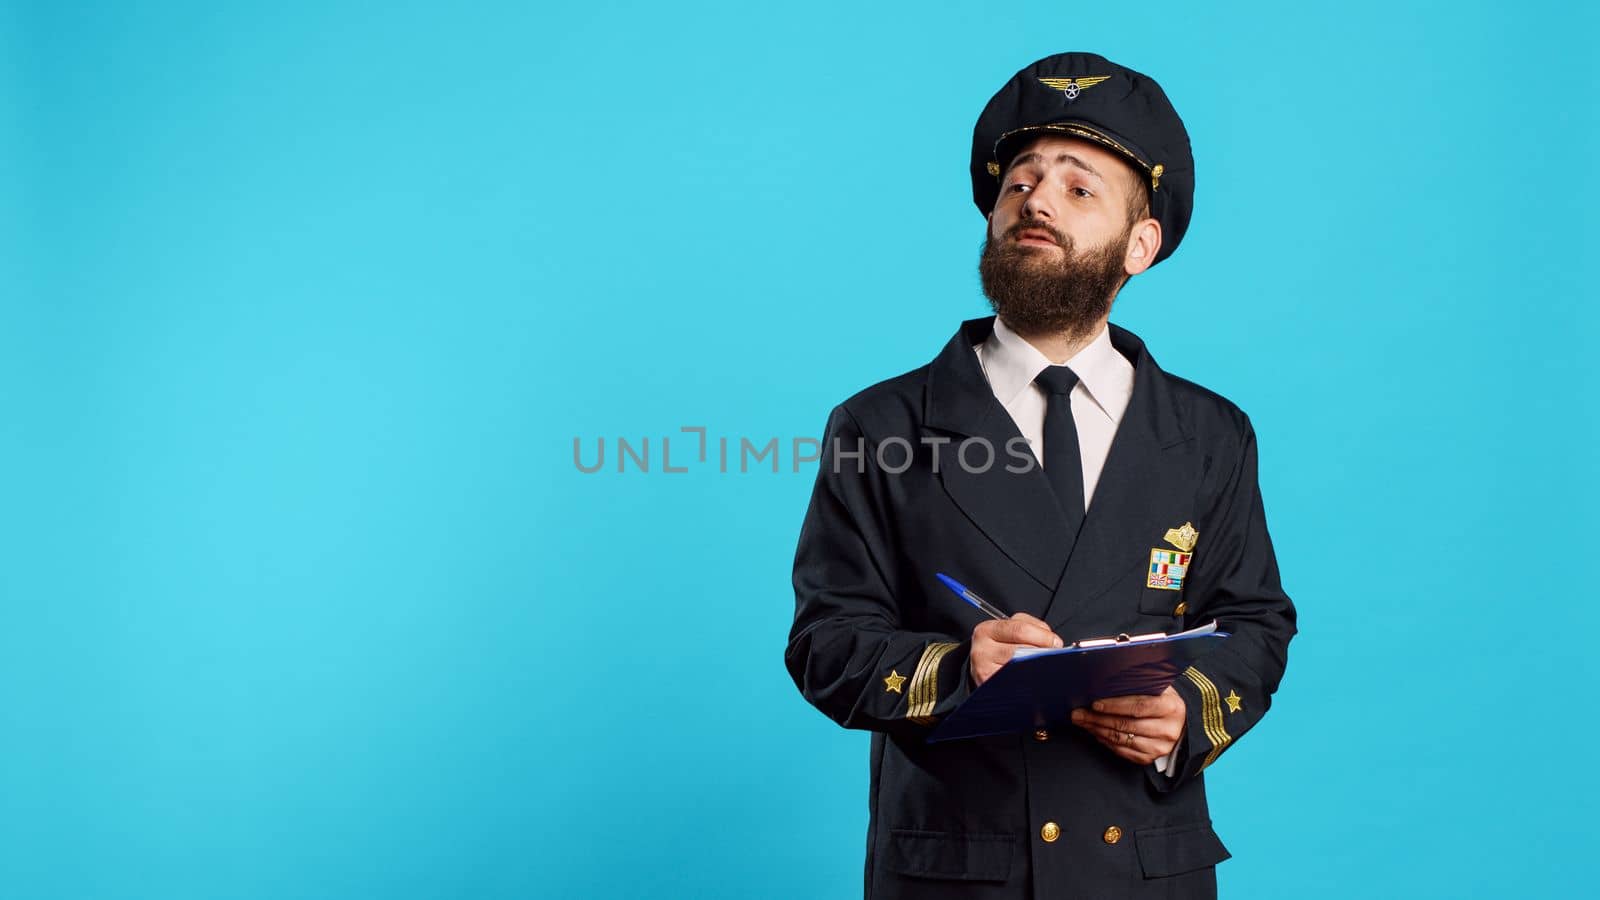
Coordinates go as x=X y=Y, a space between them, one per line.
x=1167 y=568
x=1182 y=537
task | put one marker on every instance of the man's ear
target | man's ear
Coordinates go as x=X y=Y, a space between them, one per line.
x=1143 y=244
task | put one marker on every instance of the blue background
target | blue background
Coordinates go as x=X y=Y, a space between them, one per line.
x=304 y=306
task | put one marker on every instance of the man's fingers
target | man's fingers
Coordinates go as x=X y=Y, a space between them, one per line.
x=1153 y=728
x=1029 y=631
x=1156 y=729
x=1137 y=748
x=1021 y=628
x=998 y=653
x=1114 y=723
x=994 y=641
x=1168 y=702
x=1139 y=706
x=988 y=657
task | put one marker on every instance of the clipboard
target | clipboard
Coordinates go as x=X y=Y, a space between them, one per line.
x=1041 y=687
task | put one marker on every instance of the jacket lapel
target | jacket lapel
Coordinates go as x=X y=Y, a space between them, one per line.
x=1014 y=509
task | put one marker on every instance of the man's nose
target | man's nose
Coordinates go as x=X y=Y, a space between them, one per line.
x=1035 y=207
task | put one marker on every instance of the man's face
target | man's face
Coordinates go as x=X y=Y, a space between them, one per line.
x=1061 y=239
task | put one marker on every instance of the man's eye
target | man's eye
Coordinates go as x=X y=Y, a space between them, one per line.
x=1019 y=186
x=1082 y=192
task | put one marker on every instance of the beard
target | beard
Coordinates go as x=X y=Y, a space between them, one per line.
x=1036 y=292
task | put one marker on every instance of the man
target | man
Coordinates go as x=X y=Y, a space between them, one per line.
x=1046 y=461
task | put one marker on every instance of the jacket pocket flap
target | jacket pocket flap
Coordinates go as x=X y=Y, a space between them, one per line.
x=939 y=854
x=1179 y=849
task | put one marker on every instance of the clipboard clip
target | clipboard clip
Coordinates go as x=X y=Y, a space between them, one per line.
x=1123 y=638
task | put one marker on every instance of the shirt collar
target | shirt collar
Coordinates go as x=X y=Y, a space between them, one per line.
x=1011 y=364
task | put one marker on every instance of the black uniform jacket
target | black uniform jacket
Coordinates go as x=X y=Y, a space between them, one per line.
x=879 y=644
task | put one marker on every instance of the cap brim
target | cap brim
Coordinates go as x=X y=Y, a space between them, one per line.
x=1006 y=147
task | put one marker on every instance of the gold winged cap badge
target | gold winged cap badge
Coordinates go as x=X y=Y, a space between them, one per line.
x=1071 y=86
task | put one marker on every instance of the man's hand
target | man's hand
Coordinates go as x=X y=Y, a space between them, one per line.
x=1138 y=728
x=993 y=642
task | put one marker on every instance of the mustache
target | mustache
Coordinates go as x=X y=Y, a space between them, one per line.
x=1014 y=231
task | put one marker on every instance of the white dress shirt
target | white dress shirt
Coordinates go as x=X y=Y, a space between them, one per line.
x=1105 y=385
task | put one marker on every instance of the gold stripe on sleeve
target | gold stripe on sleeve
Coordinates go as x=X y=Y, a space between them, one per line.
x=1210 y=715
x=924 y=693
x=917 y=679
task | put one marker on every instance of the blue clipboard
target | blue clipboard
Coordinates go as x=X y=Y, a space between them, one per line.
x=1041 y=688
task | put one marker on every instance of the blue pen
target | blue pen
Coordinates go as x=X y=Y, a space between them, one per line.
x=961 y=590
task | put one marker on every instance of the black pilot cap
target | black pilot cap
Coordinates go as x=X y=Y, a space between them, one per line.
x=1087 y=96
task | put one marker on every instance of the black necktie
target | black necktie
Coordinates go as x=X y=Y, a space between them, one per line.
x=1062 y=464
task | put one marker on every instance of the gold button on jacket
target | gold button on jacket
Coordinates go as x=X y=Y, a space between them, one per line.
x=1113 y=834
x=1050 y=832
x=1041 y=735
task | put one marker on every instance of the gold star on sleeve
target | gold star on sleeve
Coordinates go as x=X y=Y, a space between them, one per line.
x=893 y=682
x=1234 y=701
